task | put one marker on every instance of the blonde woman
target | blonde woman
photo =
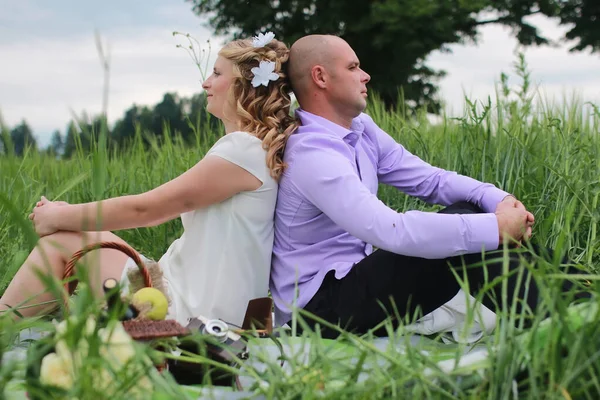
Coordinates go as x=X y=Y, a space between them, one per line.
x=226 y=201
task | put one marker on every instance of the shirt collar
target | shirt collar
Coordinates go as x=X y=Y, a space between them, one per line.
x=349 y=135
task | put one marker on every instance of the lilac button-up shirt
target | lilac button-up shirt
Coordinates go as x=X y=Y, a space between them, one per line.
x=328 y=216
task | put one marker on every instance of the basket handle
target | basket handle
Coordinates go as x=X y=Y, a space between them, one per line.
x=70 y=267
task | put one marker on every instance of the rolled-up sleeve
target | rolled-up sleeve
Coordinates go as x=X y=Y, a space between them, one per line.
x=328 y=180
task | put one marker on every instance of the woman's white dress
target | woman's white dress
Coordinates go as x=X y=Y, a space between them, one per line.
x=223 y=258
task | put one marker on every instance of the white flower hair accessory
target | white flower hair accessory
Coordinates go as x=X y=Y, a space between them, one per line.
x=264 y=73
x=262 y=39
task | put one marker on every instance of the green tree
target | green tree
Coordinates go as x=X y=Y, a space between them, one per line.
x=22 y=138
x=184 y=116
x=199 y=119
x=74 y=140
x=125 y=129
x=393 y=37
x=584 y=18
x=83 y=134
x=4 y=137
x=169 y=112
x=57 y=143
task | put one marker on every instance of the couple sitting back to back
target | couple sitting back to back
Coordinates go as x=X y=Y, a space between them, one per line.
x=295 y=199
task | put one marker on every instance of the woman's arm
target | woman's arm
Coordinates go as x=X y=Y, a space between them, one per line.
x=210 y=181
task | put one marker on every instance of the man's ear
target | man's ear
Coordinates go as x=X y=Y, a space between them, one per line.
x=319 y=76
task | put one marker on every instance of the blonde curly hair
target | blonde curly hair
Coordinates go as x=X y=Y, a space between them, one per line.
x=263 y=111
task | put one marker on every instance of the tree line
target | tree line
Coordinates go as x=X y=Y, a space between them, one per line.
x=393 y=38
x=180 y=115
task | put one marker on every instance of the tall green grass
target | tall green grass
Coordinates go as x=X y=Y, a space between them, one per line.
x=547 y=155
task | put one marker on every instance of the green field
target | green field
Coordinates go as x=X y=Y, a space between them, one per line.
x=548 y=156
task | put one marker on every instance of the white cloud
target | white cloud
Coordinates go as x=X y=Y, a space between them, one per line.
x=42 y=81
x=24 y=10
x=45 y=75
x=474 y=70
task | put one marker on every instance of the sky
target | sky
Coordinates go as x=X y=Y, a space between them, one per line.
x=50 y=68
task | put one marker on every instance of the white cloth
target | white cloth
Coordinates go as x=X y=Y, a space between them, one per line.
x=465 y=318
x=223 y=258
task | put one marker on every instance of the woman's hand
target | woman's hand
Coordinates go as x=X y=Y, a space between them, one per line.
x=44 y=200
x=42 y=216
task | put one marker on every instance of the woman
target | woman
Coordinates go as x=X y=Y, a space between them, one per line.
x=226 y=201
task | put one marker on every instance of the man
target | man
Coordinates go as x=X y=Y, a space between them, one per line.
x=328 y=217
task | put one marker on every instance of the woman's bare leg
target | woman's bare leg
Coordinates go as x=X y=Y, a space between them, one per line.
x=51 y=256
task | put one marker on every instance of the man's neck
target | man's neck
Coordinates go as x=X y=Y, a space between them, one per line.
x=329 y=113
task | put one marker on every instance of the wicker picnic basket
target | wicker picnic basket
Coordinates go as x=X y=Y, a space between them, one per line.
x=70 y=267
x=257 y=320
x=138 y=329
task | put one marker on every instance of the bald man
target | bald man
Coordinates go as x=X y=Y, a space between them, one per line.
x=328 y=217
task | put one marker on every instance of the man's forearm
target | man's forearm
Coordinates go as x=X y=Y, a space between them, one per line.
x=449 y=187
x=434 y=235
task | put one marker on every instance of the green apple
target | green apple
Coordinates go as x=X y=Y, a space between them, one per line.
x=151 y=303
